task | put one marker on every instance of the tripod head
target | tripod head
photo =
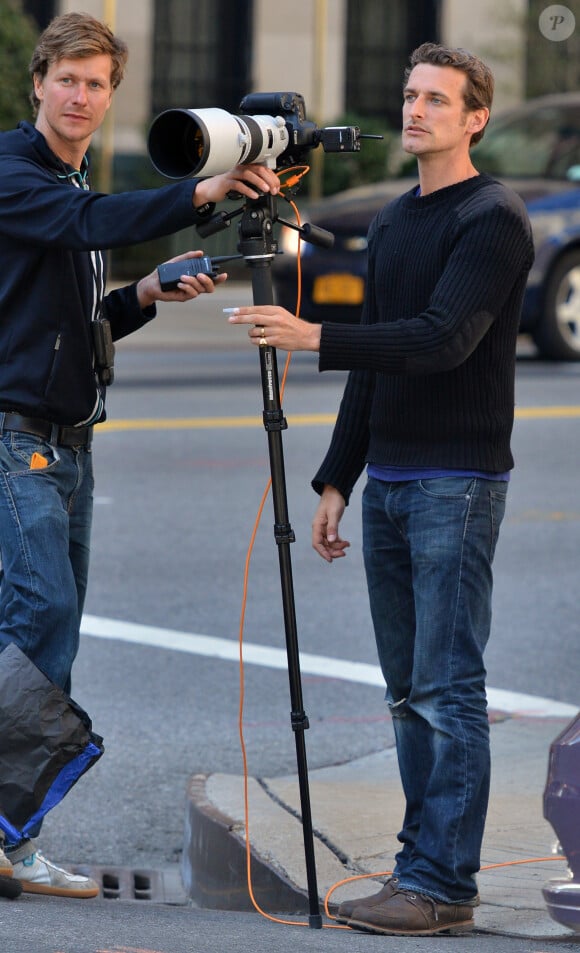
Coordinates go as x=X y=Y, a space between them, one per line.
x=262 y=215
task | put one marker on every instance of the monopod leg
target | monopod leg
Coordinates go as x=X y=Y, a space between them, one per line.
x=274 y=423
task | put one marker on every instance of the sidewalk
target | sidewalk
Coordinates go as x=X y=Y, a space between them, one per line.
x=356 y=810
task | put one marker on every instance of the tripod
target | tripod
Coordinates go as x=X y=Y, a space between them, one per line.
x=258 y=247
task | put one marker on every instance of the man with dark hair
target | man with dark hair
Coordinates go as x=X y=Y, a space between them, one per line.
x=428 y=408
x=478 y=79
x=55 y=325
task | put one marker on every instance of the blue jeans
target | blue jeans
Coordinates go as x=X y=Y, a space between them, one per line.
x=428 y=550
x=45 y=526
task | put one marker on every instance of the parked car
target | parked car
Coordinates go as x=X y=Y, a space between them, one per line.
x=535 y=149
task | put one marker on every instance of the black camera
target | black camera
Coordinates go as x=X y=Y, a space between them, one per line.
x=184 y=142
x=303 y=134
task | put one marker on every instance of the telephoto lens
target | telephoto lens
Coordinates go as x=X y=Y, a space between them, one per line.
x=186 y=142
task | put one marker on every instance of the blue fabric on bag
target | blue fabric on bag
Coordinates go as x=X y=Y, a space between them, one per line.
x=46 y=745
x=62 y=784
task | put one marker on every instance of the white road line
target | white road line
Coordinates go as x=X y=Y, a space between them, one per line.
x=513 y=703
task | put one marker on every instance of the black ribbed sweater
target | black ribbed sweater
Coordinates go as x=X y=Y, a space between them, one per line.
x=433 y=361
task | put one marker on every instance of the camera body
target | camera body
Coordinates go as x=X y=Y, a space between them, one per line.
x=273 y=130
x=292 y=109
x=303 y=134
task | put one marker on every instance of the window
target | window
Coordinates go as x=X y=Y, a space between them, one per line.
x=201 y=53
x=41 y=10
x=380 y=37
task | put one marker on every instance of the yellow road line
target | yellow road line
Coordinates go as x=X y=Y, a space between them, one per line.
x=544 y=413
x=299 y=420
x=205 y=423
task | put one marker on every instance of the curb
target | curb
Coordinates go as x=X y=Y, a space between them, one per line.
x=515 y=865
x=214 y=863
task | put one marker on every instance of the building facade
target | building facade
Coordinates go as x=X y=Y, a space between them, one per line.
x=345 y=57
x=341 y=55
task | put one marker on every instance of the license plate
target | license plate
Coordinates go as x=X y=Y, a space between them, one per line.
x=338 y=289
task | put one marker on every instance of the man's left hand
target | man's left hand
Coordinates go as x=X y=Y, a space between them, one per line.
x=276 y=327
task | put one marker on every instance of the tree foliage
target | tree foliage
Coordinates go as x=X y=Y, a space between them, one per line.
x=18 y=36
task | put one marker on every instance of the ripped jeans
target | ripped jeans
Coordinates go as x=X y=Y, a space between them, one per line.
x=428 y=549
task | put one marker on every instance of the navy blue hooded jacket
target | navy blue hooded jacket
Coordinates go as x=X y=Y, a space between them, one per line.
x=48 y=227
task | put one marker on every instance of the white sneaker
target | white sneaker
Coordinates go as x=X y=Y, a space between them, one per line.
x=39 y=875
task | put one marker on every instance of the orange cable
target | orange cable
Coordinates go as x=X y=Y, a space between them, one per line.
x=526 y=860
x=300 y=170
x=255 y=903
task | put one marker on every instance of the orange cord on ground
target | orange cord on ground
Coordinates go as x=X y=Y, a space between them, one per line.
x=340 y=883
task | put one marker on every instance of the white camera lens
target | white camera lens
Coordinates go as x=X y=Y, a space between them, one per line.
x=185 y=142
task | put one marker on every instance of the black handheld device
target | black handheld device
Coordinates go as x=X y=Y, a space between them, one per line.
x=170 y=272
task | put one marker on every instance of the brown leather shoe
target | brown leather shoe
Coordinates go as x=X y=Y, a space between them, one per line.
x=345 y=911
x=406 y=913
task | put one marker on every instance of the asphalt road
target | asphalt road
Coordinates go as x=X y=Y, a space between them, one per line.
x=35 y=925
x=180 y=475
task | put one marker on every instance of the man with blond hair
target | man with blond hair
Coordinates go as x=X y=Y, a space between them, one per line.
x=53 y=376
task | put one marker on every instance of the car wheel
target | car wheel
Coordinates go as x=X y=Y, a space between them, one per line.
x=557 y=335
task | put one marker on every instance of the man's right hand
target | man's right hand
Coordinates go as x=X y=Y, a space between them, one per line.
x=325 y=536
x=250 y=180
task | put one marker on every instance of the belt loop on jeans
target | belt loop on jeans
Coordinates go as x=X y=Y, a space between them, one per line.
x=73 y=436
